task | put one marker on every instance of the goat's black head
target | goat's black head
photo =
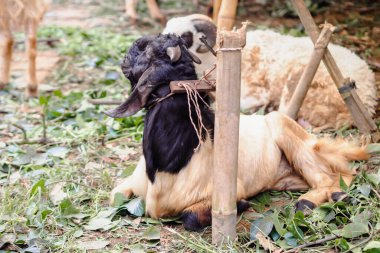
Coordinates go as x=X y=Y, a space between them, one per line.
x=150 y=64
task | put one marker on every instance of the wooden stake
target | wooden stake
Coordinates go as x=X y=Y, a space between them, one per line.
x=226 y=135
x=358 y=112
x=309 y=72
x=227 y=14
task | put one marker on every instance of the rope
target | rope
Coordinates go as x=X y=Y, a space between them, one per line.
x=192 y=97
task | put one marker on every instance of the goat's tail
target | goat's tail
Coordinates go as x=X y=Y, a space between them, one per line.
x=336 y=153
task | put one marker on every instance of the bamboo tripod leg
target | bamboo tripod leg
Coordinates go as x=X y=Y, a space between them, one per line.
x=359 y=113
x=309 y=72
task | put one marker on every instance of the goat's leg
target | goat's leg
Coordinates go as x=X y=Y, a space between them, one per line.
x=6 y=41
x=198 y=216
x=31 y=49
x=130 y=10
x=155 y=11
x=298 y=147
x=135 y=184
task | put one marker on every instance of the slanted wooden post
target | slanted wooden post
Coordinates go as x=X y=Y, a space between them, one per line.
x=226 y=134
x=309 y=72
x=358 y=112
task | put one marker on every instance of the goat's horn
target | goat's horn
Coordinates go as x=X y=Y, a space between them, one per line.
x=174 y=53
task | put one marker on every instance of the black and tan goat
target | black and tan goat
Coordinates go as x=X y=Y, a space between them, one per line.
x=275 y=153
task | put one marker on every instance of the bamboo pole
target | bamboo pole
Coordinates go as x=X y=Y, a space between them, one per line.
x=226 y=135
x=216 y=8
x=358 y=112
x=227 y=14
x=309 y=72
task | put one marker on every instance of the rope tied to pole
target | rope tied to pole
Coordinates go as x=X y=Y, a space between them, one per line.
x=192 y=97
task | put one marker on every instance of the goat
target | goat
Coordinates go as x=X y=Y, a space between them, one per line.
x=275 y=153
x=27 y=13
x=154 y=10
x=272 y=64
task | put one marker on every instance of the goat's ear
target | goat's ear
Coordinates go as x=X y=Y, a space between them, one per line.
x=130 y=107
x=137 y=99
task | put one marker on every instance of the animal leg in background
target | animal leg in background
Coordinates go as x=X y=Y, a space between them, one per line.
x=6 y=43
x=155 y=11
x=31 y=50
x=130 y=10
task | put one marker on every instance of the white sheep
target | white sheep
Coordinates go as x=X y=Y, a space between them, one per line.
x=272 y=65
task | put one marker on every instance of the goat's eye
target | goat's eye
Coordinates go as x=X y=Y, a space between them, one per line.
x=188 y=38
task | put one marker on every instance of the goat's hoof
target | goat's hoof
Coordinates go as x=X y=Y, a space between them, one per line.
x=3 y=85
x=196 y=221
x=305 y=206
x=32 y=92
x=242 y=206
x=339 y=196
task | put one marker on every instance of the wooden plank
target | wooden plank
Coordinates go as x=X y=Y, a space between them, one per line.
x=309 y=71
x=199 y=85
x=358 y=112
x=226 y=135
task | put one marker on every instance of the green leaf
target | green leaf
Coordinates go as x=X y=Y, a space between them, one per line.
x=67 y=208
x=45 y=213
x=59 y=152
x=152 y=233
x=353 y=230
x=78 y=233
x=372 y=247
x=290 y=239
x=40 y=185
x=136 y=207
x=374 y=178
x=128 y=171
x=342 y=184
x=93 y=245
x=373 y=148
x=279 y=226
x=136 y=248
x=362 y=217
x=263 y=225
x=98 y=223
x=365 y=189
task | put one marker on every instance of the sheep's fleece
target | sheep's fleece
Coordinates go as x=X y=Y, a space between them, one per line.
x=272 y=65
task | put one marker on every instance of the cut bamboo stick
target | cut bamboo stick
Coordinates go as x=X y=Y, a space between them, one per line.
x=227 y=14
x=309 y=71
x=226 y=135
x=358 y=112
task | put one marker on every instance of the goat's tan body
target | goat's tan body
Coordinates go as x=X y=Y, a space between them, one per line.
x=15 y=14
x=266 y=145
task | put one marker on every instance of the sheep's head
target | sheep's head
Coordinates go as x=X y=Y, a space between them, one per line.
x=191 y=28
x=150 y=64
